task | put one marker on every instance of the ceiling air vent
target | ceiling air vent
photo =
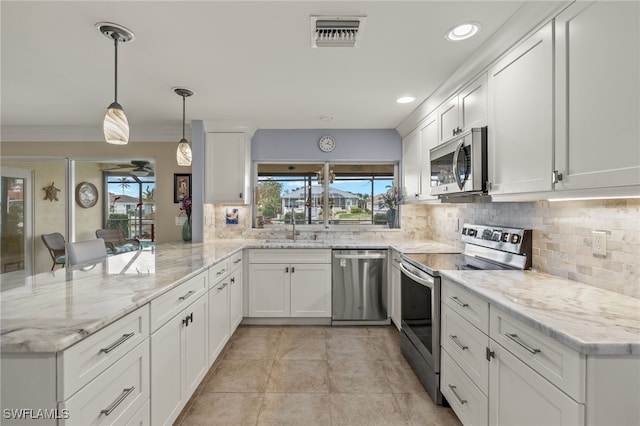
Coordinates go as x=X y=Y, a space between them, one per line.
x=336 y=31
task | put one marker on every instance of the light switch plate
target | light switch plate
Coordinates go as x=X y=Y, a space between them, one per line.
x=599 y=243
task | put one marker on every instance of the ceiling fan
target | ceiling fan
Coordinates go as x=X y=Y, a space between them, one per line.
x=138 y=168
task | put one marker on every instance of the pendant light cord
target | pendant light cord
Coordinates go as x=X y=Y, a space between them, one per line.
x=183 y=114
x=115 y=42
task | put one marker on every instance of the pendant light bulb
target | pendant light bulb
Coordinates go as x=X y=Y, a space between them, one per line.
x=183 y=153
x=116 y=125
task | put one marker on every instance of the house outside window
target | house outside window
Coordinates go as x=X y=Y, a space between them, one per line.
x=323 y=193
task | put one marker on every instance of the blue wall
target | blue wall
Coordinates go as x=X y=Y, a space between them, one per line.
x=302 y=145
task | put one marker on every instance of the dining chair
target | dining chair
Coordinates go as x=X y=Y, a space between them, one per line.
x=86 y=253
x=55 y=243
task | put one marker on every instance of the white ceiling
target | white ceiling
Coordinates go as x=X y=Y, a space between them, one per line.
x=246 y=61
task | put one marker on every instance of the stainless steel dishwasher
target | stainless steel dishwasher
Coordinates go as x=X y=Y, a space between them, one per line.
x=359 y=291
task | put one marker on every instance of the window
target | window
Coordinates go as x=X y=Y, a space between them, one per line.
x=323 y=193
x=131 y=204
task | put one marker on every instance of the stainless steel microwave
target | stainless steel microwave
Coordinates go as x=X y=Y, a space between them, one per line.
x=459 y=165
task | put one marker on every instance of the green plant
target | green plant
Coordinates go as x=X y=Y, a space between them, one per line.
x=390 y=199
x=119 y=220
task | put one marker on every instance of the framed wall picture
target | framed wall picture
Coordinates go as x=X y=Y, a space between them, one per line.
x=181 y=186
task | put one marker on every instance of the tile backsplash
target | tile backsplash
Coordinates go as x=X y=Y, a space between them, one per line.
x=561 y=234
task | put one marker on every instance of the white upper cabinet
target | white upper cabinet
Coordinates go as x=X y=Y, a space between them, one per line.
x=597 y=95
x=227 y=167
x=520 y=145
x=428 y=140
x=411 y=167
x=416 y=167
x=464 y=110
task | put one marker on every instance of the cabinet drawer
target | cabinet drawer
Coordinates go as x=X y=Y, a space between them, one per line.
x=290 y=256
x=470 y=307
x=467 y=346
x=82 y=362
x=466 y=399
x=142 y=417
x=166 y=306
x=235 y=261
x=559 y=364
x=116 y=395
x=217 y=272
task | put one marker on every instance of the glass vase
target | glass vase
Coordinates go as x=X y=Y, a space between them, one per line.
x=186 y=229
x=392 y=218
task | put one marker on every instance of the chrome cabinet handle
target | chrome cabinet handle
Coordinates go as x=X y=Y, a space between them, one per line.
x=286 y=270
x=516 y=339
x=237 y=261
x=221 y=271
x=453 y=389
x=125 y=393
x=457 y=342
x=293 y=269
x=191 y=293
x=233 y=280
x=118 y=342
x=222 y=286
x=455 y=299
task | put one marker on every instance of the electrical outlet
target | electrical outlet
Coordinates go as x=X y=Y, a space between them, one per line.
x=599 y=243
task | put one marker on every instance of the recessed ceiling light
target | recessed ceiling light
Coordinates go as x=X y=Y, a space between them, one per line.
x=325 y=117
x=463 y=31
x=405 y=100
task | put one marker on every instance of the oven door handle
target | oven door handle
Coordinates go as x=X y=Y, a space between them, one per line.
x=427 y=282
x=361 y=256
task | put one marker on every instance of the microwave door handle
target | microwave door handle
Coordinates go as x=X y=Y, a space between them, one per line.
x=456 y=175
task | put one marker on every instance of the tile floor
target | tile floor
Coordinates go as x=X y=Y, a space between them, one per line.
x=313 y=375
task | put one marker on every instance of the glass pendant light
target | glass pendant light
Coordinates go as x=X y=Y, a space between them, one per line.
x=183 y=153
x=116 y=126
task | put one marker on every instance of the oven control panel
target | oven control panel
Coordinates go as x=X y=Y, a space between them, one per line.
x=513 y=240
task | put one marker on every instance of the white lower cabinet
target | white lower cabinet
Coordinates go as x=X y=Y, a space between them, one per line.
x=497 y=370
x=236 y=299
x=101 y=380
x=279 y=288
x=116 y=395
x=219 y=287
x=179 y=361
x=466 y=399
x=519 y=395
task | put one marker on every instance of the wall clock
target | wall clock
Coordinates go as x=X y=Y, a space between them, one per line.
x=327 y=143
x=86 y=194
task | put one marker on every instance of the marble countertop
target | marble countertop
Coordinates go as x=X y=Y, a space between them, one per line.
x=587 y=319
x=51 y=311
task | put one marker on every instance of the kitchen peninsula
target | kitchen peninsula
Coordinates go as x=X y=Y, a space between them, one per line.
x=48 y=317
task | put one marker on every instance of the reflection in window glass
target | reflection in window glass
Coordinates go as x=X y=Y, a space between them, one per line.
x=353 y=193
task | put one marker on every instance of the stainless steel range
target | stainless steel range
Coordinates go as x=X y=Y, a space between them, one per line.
x=487 y=247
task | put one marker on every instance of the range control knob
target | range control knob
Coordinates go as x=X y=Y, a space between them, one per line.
x=515 y=238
